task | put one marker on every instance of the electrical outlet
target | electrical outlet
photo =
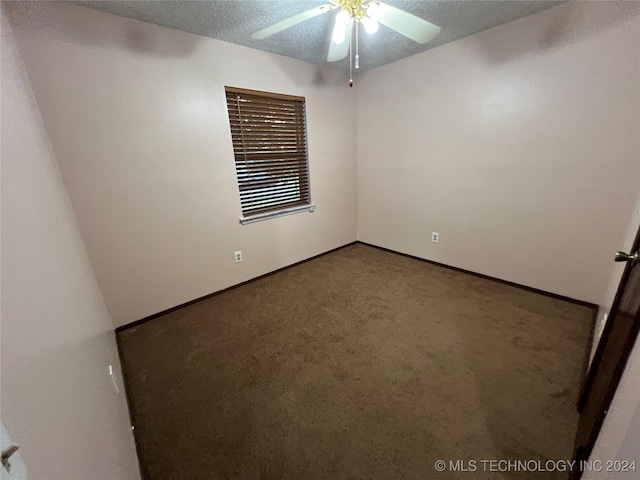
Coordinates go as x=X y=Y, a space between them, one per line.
x=435 y=237
x=238 y=256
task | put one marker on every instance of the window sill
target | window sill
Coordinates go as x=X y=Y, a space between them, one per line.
x=277 y=213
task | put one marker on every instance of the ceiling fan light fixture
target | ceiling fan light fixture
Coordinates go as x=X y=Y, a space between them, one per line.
x=369 y=24
x=373 y=10
x=351 y=13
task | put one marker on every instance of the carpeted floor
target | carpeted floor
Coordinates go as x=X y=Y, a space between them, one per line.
x=360 y=364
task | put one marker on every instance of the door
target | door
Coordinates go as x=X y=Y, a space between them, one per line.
x=611 y=356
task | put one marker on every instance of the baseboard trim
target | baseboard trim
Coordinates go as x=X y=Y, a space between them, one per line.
x=218 y=292
x=462 y=270
x=488 y=277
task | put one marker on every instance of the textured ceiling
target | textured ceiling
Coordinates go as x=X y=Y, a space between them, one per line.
x=234 y=21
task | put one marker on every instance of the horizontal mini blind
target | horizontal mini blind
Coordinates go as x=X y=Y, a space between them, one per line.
x=270 y=147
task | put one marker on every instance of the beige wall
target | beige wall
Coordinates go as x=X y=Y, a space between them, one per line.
x=137 y=117
x=519 y=145
x=522 y=153
x=58 y=402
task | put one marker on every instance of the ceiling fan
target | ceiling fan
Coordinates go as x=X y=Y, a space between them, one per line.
x=351 y=14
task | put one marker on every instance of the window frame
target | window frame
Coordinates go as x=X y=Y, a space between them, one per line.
x=302 y=173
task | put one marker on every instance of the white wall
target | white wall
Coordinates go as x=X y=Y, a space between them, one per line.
x=137 y=117
x=58 y=402
x=519 y=145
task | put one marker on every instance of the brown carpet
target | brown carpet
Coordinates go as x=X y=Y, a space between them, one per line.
x=360 y=364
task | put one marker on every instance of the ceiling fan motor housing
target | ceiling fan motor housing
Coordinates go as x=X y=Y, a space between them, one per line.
x=357 y=9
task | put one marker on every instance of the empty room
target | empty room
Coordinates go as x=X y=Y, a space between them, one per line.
x=320 y=239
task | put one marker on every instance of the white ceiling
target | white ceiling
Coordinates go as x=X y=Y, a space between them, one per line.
x=234 y=21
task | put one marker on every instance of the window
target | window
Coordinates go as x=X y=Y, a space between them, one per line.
x=270 y=147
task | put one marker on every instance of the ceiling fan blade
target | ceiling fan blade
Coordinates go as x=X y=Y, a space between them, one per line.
x=338 y=51
x=291 y=21
x=409 y=25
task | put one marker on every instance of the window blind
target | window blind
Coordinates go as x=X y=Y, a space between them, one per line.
x=270 y=148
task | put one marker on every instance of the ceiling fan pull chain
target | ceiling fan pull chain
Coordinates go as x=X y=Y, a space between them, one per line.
x=350 y=58
x=357 y=61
